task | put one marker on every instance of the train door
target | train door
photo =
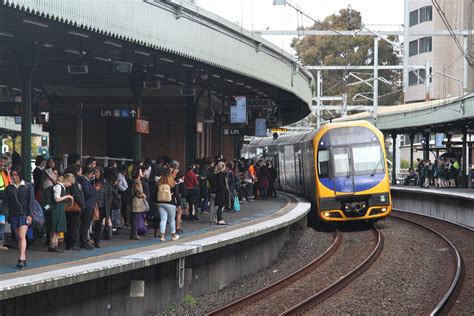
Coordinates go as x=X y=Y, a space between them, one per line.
x=297 y=162
x=343 y=170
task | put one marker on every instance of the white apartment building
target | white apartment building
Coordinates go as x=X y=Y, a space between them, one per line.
x=447 y=65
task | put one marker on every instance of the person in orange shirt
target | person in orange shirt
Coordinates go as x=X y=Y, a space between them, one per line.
x=4 y=182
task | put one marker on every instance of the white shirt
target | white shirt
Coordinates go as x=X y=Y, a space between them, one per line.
x=57 y=190
x=122 y=182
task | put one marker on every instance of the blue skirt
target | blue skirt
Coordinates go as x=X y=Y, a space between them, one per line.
x=16 y=221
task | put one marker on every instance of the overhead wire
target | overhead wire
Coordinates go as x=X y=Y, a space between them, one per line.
x=312 y=19
x=451 y=31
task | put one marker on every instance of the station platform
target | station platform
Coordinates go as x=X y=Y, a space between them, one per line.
x=50 y=271
x=449 y=204
x=463 y=193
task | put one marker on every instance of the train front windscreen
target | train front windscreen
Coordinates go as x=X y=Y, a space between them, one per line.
x=350 y=159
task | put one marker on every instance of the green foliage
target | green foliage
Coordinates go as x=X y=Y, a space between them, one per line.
x=170 y=308
x=348 y=50
x=190 y=301
x=34 y=146
x=404 y=164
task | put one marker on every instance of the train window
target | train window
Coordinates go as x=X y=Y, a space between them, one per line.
x=368 y=159
x=342 y=165
x=323 y=163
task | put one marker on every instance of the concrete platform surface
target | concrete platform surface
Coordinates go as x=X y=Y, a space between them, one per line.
x=50 y=270
x=449 y=192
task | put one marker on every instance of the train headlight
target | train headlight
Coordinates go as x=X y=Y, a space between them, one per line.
x=326 y=214
x=384 y=210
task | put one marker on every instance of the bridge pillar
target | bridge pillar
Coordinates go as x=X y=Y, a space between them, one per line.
x=412 y=139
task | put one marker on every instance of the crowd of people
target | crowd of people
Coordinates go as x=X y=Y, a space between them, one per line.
x=442 y=173
x=87 y=203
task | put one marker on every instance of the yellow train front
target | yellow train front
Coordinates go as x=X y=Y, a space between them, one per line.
x=352 y=181
x=341 y=168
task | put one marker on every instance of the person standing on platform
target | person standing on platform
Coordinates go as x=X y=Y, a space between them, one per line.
x=58 y=213
x=419 y=170
x=221 y=191
x=38 y=175
x=272 y=176
x=90 y=201
x=167 y=202
x=192 y=186
x=17 y=206
x=4 y=183
x=104 y=201
x=138 y=206
x=263 y=182
x=74 y=209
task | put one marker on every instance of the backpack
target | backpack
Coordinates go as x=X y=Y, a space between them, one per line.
x=47 y=201
x=36 y=209
x=164 y=193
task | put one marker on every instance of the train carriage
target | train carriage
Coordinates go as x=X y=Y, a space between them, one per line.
x=341 y=168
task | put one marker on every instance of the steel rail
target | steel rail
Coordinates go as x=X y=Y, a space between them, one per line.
x=272 y=288
x=457 y=279
x=342 y=282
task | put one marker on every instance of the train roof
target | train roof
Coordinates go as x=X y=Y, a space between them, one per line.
x=290 y=138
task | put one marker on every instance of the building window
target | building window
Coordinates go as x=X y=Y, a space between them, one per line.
x=413 y=17
x=425 y=45
x=412 y=78
x=426 y=14
x=421 y=76
x=413 y=49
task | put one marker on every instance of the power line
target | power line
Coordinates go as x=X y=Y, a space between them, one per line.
x=450 y=30
x=314 y=20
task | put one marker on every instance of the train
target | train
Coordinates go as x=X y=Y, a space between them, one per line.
x=340 y=167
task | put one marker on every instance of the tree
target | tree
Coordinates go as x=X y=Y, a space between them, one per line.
x=349 y=50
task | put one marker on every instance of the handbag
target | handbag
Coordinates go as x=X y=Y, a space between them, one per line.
x=72 y=207
x=140 y=205
x=236 y=204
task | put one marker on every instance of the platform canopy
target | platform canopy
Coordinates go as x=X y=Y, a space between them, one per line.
x=175 y=42
x=445 y=115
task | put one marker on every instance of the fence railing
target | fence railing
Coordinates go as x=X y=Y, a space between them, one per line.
x=105 y=160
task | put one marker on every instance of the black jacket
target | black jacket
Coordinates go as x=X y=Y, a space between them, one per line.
x=76 y=191
x=17 y=200
x=90 y=194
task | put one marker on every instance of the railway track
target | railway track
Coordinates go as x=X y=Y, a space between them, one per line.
x=457 y=279
x=287 y=285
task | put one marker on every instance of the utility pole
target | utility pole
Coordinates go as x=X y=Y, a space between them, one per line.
x=427 y=80
x=376 y=79
x=318 y=98
x=406 y=45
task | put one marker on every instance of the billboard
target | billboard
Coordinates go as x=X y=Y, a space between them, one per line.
x=260 y=127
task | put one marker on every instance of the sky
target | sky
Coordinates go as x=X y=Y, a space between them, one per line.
x=262 y=14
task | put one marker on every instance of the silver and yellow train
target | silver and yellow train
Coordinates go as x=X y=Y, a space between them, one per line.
x=341 y=168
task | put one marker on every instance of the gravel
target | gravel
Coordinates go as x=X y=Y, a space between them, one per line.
x=409 y=277
x=303 y=246
x=463 y=240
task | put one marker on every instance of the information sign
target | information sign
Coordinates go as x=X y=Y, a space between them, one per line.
x=260 y=127
x=143 y=126
x=238 y=112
